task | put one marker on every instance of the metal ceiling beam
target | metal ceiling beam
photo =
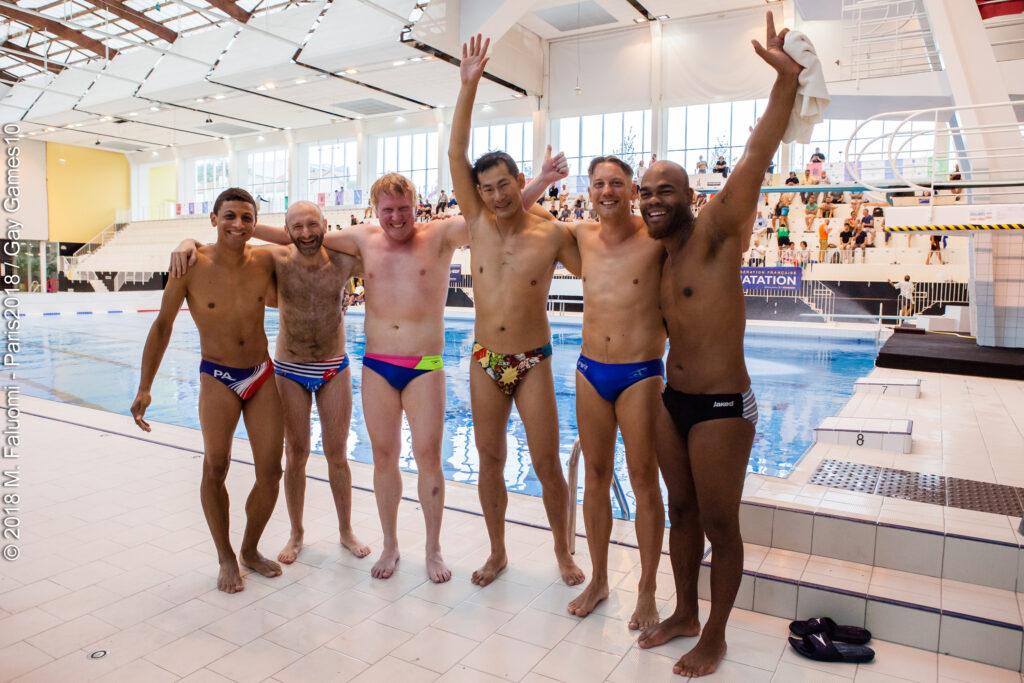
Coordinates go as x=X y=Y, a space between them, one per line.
x=118 y=8
x=25 y=55
x=57 y=29
x=231 y=9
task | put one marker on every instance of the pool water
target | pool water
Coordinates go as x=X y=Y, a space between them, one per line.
x=94 y=361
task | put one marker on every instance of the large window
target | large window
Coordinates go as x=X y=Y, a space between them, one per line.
x=212 y=178
x=268 y=179
x=711 y=131
x=914 y=160
x=333 y=166
x=414 y=156
x=627 y=135
x=515 y=139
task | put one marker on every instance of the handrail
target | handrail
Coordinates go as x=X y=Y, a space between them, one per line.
x=574 y=468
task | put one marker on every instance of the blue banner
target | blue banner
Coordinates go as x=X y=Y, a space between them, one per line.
x=455 y=274
x=771 y=278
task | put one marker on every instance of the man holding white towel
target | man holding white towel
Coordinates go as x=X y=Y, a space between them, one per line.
x=706 y=428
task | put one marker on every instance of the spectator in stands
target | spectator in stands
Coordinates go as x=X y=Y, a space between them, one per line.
x=553 y=195
x=442 y=203
x=823 y=237
x=760 y=224
x=563 y=215
x=769 y=174
x=757 y=252
x=867 y=221
x=368 y=212
x=785 y=200
x=905 y=300
x=817 y=157
x=808 y=179
x=721 y=167
x=353 y=220
x=856 y=199
x=859 y=241
x=702 y=166
x=810 y=212
x=827 y=208
x=935 y=249
x=451 y=202
x=702 y=199
x=792 y=179
x=578 y=211
x=846 y=242
x=803 y=255
x=783 y=238
x=955 y=175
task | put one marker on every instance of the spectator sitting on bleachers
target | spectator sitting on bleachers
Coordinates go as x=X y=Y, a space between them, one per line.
x=757 y=252
x=846 y=242
x=792 y=179
x=803 y=255
x=827 y=208
x=760 y=224
x=810 y=212
x=721 y=167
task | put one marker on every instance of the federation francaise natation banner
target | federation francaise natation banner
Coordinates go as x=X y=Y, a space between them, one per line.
x=771 y=278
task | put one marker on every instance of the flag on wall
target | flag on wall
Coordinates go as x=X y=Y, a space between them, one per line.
x=177 y=209
x=999 y=8
x=321 y=200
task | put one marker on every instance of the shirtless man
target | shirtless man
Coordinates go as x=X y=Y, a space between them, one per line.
x=310 y=360
x=225 y=293
x=619 y=378
x=513 y=260
x=707 y=428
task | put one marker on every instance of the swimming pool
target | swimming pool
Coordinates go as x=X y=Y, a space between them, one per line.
x=94 y=361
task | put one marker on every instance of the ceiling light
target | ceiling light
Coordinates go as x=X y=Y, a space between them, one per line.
x=134 y=113
x=218 y=97
x=200 y=100
x=154 y=108
x=156 y=154
x=107 y=118
x=260 y=138
x=428 y=58
x=416 y=59
x=351 y=71
x=661 y=17
x=50 y=130
x=400 y=62
x=261 y=87
x=300 y=81
x=269 y=86
x=517 y=95
x=424 y=107
x=32 y=132
x=640 y=20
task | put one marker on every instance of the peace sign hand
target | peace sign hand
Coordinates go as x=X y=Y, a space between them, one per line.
x=772 y=51
x=474 y=59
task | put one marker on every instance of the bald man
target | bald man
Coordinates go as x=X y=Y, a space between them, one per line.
x=706 y=427
x=310 y=361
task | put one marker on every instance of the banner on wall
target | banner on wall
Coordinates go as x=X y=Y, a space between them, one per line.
x=771 y=278
x=358 y=197
x=321 y=200
x=206 y=207
x=339 y=197
x=455 y=274
x=191 y=208
x=177 y=209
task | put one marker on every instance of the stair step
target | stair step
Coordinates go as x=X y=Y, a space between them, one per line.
x=929 y=552
x=939 y=615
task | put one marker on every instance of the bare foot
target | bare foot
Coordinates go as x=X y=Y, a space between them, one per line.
x=291 y=550
x=229 y=579
x=492 y=567
x=585 y=602
x=673 y=627
x=646 y=613
x=702 y=660
x=354 y=545
x=385 y=566
x=261 y=565
x=571 y=574
x=437 y=570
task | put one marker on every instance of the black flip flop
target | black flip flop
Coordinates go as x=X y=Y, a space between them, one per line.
x=819 y=648
x=839 y=634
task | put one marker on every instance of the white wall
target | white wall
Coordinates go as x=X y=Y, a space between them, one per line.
x=33 y=212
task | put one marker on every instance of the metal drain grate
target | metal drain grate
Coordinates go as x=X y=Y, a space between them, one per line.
x=935 y=489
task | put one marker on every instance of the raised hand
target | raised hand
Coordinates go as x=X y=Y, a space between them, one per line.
x=772 y=52
x=554 y=168
x=474 y=59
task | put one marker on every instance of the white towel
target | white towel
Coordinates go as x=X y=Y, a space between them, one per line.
x=812 y=96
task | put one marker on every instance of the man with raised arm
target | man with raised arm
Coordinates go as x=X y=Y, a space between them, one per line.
x=513 y=257
x=707 y=427
x=225 y=291
x=310 y=361
x=619 y=377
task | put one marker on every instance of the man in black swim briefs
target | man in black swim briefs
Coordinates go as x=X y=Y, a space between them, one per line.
x=706 y=428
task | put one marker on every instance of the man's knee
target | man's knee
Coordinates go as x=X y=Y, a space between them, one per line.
x=721 y=527
x=269 y=472
x=215 y=470
x=296 y=454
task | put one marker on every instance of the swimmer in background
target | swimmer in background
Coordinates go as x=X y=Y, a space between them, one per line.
x=226 y=292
